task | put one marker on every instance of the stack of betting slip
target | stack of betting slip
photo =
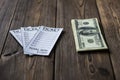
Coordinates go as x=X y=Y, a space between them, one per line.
x=37 y=40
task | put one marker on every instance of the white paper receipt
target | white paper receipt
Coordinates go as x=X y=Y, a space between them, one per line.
x=43 y=41
x=27 y=34
x=17 y=35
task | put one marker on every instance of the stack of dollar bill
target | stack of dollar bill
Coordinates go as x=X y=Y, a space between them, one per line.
x=87 y=35
x=37 y=40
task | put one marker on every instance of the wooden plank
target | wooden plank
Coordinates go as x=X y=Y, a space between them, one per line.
x=7 y=8
x=43 y=13
x=12 y=61
x=18 y=66
x=70 y=65
x=109 y=12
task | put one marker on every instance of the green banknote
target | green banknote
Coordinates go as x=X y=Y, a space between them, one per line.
x=87 y=35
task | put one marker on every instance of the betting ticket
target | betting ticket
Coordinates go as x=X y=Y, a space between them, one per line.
x=26 y=31
x=43 y=41
x=17 y=35
x=27 y=34
x=37 y=40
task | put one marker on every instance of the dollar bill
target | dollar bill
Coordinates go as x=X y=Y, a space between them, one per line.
x=87 y=35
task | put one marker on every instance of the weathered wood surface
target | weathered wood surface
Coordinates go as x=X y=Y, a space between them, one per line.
x=16 y=66
x=69 y=64
x=64 y=63
x=110 y=16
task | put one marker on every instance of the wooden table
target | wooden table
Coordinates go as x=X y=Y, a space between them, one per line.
x=64 y=63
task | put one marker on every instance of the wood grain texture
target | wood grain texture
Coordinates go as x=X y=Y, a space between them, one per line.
x=14 y=65
x=110 y=16
x=64 y=63
x=7 y=8
x=70 y=65
x=12 y=59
